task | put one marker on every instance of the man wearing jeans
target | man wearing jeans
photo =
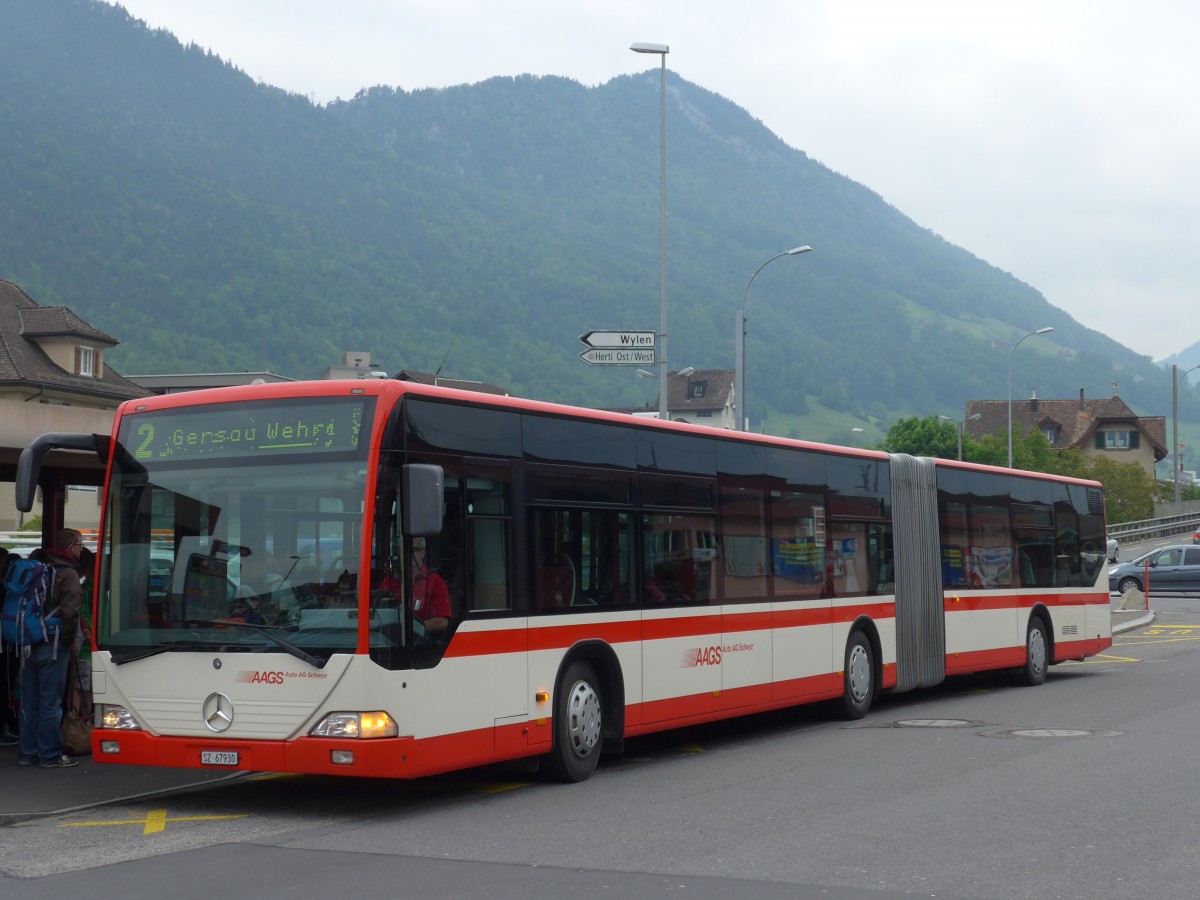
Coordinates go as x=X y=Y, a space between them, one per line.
x=44 y=674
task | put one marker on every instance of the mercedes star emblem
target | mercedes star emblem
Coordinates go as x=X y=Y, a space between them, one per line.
x=218 y=712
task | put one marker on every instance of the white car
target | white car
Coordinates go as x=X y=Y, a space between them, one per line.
x=1114 y=550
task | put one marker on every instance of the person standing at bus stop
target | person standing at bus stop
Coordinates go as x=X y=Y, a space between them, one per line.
x=44 y=674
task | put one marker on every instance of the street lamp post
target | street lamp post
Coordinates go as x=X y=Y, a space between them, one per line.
x=961 y=424
x=662 y=50
x=1046 y=330
x=1176 y=462
x=739 y=343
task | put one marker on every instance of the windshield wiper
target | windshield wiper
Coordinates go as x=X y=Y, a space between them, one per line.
x=120 y=659
x=315 y=661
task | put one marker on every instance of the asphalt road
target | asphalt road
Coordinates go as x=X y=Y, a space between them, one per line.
x=976 y=789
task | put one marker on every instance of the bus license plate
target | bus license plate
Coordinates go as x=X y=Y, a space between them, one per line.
x=218 y=757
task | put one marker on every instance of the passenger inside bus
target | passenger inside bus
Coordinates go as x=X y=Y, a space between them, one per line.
x=554 y=580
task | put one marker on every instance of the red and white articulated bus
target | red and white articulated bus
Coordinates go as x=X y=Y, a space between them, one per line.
x=386 y=579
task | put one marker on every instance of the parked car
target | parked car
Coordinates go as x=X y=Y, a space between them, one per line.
x=1173 y=568
x=1114 y=550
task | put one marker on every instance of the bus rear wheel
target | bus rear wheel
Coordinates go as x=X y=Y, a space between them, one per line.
x=859 y=681
x=578 y=726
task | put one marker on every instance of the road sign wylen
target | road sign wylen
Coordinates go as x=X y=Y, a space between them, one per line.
x=619 y=348
x=619 y=340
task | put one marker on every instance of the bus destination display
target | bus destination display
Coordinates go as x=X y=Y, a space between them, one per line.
x=235 y=430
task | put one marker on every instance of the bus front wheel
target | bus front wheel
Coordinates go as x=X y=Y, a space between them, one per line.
x=1037 y=654
x=859 y=680
x=578 y=725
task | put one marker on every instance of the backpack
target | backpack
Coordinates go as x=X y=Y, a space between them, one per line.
x=24 y=620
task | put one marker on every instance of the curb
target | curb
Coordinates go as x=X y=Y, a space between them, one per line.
x=1134 y=623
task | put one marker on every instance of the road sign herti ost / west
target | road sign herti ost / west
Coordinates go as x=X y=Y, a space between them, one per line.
x=602 y=356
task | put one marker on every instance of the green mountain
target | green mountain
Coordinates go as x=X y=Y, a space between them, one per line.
x=216 y=224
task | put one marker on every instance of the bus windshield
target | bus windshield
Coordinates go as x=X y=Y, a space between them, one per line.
x=252 y=546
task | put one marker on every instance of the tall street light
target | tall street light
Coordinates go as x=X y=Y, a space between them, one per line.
x=662 y=50
x=1176 y=462
x=961 y=424
x=739 y=343
x=1046 y=330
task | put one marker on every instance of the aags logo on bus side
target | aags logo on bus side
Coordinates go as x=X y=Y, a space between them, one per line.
x=245 y=677
x=701 y=656
x=711 y=656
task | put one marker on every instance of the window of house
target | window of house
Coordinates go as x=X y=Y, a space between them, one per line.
x=698 y=389
x=1117 y=440
x=1051 y=433
x=86 y=361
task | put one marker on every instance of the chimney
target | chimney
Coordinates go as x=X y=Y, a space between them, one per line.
x=1033 y=401
x=1082 y=405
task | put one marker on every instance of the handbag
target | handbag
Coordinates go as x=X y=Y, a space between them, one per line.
x=77 y=713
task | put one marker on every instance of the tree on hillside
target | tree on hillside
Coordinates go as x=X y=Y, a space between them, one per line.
x=1031 y=452
x=928 y=436
x=1128 y=490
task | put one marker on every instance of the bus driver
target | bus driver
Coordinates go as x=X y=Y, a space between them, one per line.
x=431 y=597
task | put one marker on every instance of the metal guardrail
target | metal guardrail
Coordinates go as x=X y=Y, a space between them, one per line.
x=20 y=540
x=24 y=541
x=1150 y=528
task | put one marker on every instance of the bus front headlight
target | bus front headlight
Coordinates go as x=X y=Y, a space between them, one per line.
x=118 y=718
x=377 y=724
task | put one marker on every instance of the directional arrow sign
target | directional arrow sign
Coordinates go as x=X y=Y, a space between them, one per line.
x=605 y=356
x=624 y=340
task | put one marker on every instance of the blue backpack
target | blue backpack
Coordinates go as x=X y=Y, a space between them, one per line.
x=24 y=620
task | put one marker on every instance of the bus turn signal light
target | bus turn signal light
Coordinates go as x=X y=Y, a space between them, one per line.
x=377 y=724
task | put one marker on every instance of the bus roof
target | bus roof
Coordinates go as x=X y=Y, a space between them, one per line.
x=392 y=390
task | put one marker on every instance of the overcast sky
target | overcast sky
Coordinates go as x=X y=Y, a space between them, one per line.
x=1056 y=139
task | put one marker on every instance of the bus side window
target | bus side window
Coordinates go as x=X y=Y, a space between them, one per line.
x=488 y=515
x=488 y=566
x=556 y=571
x=680 y=550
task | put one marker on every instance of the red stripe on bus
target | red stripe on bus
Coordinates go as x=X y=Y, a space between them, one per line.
x=968 y=602
x=550 y=636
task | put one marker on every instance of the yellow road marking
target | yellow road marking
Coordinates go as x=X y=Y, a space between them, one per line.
x=1175 y=631
x=1098 y=660
x=501 y=788
x=1111 y=657
x=1161 y=638
x=691 y=748
x=154 y=822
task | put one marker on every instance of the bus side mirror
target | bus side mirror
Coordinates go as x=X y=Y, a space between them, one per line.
x=29 y=466
x=423 y=493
